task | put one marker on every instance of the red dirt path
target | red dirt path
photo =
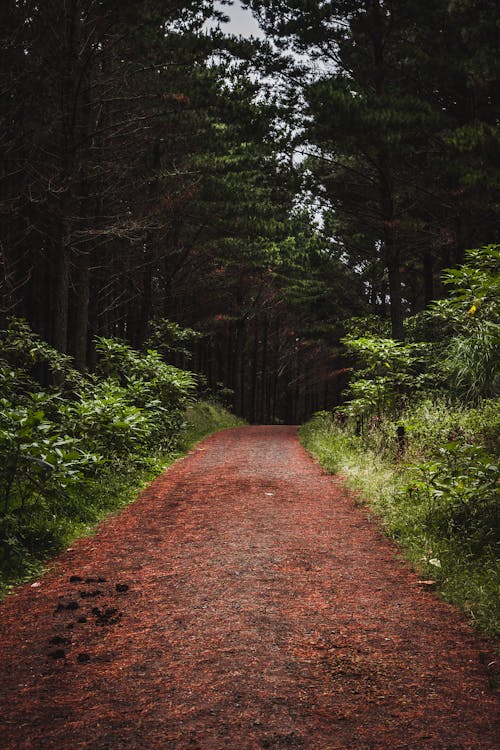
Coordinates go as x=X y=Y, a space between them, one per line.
x=264 y=610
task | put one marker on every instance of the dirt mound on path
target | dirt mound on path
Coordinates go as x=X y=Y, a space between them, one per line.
x=243 y=602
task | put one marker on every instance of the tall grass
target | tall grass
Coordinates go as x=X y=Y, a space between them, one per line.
x=439 y=506
x=205 y=417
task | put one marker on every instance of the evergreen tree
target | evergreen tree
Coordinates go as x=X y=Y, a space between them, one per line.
x=400 y=114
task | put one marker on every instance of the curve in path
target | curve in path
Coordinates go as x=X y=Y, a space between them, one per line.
x=247 y=603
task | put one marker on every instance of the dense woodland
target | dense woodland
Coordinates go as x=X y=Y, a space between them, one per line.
x=258 y=193
x=301 y=224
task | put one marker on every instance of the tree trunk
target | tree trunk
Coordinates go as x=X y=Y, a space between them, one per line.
x=241 y=367
x=385 y=177
x=60 y=304
x=264 y=414
x=80 y=328
x=255 y=367
x=146 y=303
x=428 y=276
x=394 y=273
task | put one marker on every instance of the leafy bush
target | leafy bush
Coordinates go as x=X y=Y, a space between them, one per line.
x=106 y=422
x=63 y=434
x=471 y=317
x=159 y=390
x=458 y=489
x=387 y=371
x=32 y=359
x=443 y=510
x=459 y=358
x=169 y=337
x=42 y=471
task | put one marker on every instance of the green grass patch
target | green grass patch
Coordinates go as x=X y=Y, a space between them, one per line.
x=205 y=417
x=439 y=506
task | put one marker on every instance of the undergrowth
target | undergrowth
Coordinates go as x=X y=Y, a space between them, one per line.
x=204 y=418
x=438 y=499
x=75 y=446
x=116 y=487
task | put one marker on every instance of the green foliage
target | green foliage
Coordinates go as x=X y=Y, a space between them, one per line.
x=471 y=317
x=168 y=337
x=158 y=392
x=61 y=444
x=42 y=472
x=471 y=362
x=367 y=325
x=106 y=422
x=442 y=510
x=463 y=355
x=438 y=420
x=389 y=371
x=25 y=351
x=459 y=490
x=40 y=463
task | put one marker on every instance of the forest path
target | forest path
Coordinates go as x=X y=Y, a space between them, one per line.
x=264 y=610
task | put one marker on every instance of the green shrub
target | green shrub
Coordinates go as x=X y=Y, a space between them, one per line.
x=106 y=422
x=439 y=499
x=470 y=316
x=159 y=390
x=387 y=372
x=40 y=464
x=459 y=491
x=65 y=437
x=30 y=357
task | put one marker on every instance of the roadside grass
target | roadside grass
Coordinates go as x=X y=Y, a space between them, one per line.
x=465 y=567
x=116 y=486
x=204 y=418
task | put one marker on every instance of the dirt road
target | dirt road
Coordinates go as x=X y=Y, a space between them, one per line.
x=247 y=603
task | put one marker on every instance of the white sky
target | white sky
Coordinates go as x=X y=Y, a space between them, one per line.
x=242 y=21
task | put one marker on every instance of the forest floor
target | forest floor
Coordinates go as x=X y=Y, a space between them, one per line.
x=244 y=601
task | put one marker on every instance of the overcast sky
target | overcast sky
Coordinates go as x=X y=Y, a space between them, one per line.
x=242 y=21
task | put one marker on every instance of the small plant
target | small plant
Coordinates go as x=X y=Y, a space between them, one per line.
x=471 y=315
x=460 y=492
x=387 y=372
x=106 y=422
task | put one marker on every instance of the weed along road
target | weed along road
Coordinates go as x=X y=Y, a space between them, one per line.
x=244 y=601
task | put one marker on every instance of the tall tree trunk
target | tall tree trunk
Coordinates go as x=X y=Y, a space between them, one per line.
x=255 y=368
x=80 y=328
x=60 y=305
x=393 y=262
x=428 y=276
x=146 y=304
x=264 y=414
x=385 y=177
x=242 y=366
x=70 y=113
